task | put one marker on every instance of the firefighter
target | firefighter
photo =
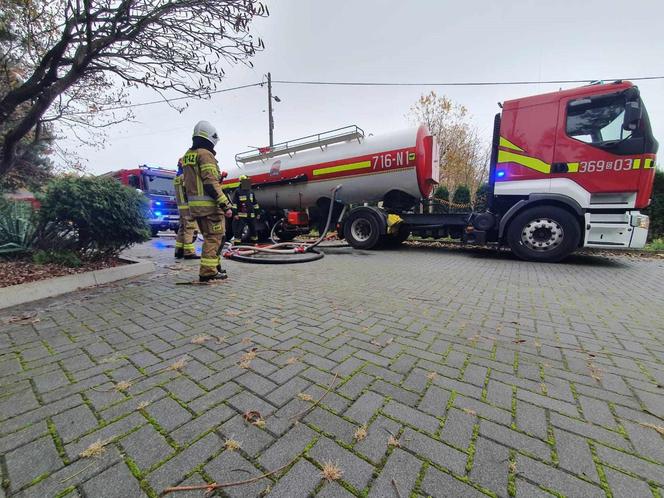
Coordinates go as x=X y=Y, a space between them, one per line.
x=246 y=210
x=207 y=202
x=184 y=240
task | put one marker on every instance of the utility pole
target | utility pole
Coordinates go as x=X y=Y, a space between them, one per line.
x=269 y=109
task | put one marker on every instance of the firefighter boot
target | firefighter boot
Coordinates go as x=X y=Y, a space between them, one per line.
x=179 y=250
x=192 y=256
x=212 y=278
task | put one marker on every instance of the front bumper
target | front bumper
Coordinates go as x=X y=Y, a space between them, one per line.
x=165 y=223
x=628 y=230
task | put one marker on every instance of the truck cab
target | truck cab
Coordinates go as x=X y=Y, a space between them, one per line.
x=589 y=152
x=157 y=185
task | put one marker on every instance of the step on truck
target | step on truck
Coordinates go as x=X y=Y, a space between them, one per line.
x=568 y=169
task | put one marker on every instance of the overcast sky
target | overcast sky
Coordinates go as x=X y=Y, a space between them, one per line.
x=399 y=41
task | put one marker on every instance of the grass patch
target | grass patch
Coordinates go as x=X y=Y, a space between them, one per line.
x=65 y=492
x=655 y=245
x=57 y=440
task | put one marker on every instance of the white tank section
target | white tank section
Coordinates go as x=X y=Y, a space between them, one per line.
x=367 y=168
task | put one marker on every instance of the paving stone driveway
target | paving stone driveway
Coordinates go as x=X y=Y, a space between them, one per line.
x=474 y=374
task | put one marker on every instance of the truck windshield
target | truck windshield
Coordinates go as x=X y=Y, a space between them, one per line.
x=160 y=185
x=598 y=121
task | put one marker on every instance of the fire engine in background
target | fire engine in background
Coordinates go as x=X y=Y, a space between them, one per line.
x=157 y=185
x=568 y=169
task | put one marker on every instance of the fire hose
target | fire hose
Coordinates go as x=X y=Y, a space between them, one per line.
x=283 y=252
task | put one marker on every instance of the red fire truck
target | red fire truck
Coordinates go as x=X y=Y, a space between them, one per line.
x=568 y=169
x=157 y=185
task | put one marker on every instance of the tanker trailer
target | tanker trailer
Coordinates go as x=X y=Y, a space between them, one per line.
x=293 y=181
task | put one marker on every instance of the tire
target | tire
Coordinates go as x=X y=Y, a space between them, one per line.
x=543 y=233
x=362 y=230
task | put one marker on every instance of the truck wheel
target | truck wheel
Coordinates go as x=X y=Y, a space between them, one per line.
x=362 y=230
x=543 y=233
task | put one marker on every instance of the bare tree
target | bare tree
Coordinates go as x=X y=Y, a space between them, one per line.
x=464 y=157
x=75 y=58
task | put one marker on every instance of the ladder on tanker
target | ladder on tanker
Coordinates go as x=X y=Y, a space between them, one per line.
x=318 y=140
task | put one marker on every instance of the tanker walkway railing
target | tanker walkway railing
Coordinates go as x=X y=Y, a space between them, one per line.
x=318 y=140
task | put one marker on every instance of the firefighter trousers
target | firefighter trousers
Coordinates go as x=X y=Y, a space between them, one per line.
x=251 y=235
x=184 y=240
x=212 y=227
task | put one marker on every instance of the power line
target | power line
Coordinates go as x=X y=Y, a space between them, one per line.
x=456 y=83
x=162 y=101
x=355 y=83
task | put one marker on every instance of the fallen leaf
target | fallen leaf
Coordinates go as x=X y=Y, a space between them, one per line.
x=178 y=366
x=142 y=405
x=392 y=441
x=122 y=386
x=244 y=364
x=469 y=411
x=657 y=428
x=360 y=433
x=232 y=444
x=21 y=319
x=331 y=472
x=248 y=356
x=220 y=339
x=292 y=360
x=200 y=339
x=512 y=468
x=519 y=341
x=595 y=371
x=305 y=397
x=245 y=340
x=254 y=417
x=432 y=375
x=96 y=449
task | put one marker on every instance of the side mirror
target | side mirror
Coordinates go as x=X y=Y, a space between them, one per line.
x=633 y=113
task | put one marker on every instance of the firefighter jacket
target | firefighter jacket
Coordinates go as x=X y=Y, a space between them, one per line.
x=181 y=194
x=202 y=183
x=246 y=203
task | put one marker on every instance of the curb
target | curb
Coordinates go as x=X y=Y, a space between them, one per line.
x=42 y=289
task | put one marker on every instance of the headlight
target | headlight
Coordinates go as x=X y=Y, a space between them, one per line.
x=640 y=221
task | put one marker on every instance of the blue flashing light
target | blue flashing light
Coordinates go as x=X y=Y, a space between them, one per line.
x=157 y=213
x=157 y=203
x=500 y=173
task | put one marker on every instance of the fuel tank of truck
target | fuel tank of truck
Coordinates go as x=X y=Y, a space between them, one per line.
x=298 y=173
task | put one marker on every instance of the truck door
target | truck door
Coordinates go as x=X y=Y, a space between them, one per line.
x=526 y=145
x=596 y=159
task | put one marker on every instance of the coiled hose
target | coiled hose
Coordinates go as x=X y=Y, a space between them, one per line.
x=283 y=252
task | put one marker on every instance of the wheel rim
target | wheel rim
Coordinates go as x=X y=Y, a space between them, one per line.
x=361 y=229
x=542 y=234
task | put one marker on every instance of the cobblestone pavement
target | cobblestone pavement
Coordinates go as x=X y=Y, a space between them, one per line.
x=473 y=374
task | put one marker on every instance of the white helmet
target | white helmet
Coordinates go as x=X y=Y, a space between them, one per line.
x=205 y=130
